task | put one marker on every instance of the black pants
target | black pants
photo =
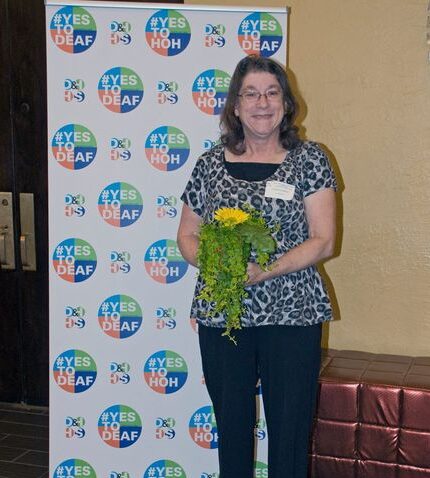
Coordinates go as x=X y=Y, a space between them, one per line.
x=287 y=360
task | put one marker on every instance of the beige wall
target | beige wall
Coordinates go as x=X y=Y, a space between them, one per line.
x=362 y=68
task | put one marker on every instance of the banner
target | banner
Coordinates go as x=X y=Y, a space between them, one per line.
x=134 y=97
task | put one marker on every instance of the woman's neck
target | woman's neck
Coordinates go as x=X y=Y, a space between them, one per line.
x=259 y=152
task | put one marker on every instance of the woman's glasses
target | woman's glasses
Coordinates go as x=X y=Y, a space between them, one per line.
x=253 y=96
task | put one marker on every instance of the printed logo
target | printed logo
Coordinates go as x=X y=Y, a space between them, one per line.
x=166 y=92
x=74 y=205
x=74 y=468
x=165 y=372
x=74 y=90
x=75 y=427
x=74 y=146
x=120 y=426
x=210 y=91
x=120 y=90
x=165 y=318
x=73 y=29
x=165 y=428
x=120 y=149
x=203 y=428
x=119 y=373
x=167 y=148
x=120 y=33
x=168 y=32
x=214 y=35
x=75 y=317
x=163 y=469
x=75 y=371
x=120 y=204
x=194 y=324
x=260 y=34
x=120 y=262
x=209 y=144
x=74 y=260
x=260 y=470
x=214 y=474
x=120 y=316
x=260 y=429
x=164 y=262
x=166 y=206
x=258 y=391
x=119 y=474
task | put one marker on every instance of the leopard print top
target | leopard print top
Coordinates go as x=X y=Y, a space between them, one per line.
x=297 y=298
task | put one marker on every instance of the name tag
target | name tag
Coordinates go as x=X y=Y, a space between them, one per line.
x=278 y=190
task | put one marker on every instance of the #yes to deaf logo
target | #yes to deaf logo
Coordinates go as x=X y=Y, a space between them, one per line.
x=74 y=260
x=74 y=146
x=120 y=426
x=260 y=34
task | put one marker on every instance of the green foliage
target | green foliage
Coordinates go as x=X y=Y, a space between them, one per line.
x=223 y=255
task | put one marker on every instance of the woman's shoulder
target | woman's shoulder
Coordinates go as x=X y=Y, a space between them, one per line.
x=308 y=148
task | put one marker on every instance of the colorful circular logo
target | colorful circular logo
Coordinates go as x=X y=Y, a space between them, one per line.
x=74 y=146
x=119 y=426
x=120 y=90
x=203 y=428
x=120 y=204
x=120 y=316
x=73 y=29
x=260 y=34
x=210 y=91
x=165 y=372
x=164 y=468
x=75 y=371
x=168 y=32
x=74 y=468
x=164 y=262
x=167 y=148
x=74 y=260
x=260 y=470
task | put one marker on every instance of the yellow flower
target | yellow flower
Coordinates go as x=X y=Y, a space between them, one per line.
x=230 y=216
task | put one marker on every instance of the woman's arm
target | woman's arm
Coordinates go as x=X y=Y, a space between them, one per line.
x=320 y=211
x=188 y=230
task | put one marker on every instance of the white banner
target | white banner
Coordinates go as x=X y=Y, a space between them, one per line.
x=134 y=96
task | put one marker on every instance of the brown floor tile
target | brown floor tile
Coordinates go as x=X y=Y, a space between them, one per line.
x=10 y=454
x=28 y=443
x=25 y=418
x=40 y=458
x=23 y=430
x=14 y=470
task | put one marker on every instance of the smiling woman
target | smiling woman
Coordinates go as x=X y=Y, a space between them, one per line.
x=262 y=164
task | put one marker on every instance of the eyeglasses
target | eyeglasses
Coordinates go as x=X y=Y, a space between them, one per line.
x=254 y=96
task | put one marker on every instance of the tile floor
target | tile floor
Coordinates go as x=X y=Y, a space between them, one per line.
x=23 y=441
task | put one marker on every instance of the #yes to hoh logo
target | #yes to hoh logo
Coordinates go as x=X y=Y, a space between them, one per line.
x=120 y=316
x=210 y=91
x=74 y=468
x=260 y=34
x=120 y=204
x=165 y=372
x=168 y=32
x=163 y=469
x=203 y=428
x=120 y=89
x=164 y=262
x=120 y=33
x=74 y=90
x=119 y=426
x=74 y=260
x=73 y=29
x=167 y=148
x=74 y=146
x=75 y=371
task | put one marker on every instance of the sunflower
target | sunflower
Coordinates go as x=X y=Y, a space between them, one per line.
x=229 y=216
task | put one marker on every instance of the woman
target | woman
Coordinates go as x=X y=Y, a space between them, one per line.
x=262 y=162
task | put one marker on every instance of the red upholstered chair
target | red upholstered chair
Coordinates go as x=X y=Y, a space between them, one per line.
x=373 y=417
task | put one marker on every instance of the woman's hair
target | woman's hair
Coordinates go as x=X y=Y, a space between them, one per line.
x=232 y=135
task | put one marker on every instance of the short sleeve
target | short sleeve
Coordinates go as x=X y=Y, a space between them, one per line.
x=194 y=195
x=317 y=171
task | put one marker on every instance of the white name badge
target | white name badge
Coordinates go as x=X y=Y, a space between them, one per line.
x=278 y=190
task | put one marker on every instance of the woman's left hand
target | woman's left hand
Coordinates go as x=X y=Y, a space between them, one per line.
x=255 y=274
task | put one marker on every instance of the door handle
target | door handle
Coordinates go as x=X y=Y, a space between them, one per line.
x=7 y=248
x=27 y=239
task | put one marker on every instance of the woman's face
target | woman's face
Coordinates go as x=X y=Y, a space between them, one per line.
x=260 y=115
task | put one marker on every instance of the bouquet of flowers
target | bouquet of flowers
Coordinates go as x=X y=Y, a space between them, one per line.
x=224 y=251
